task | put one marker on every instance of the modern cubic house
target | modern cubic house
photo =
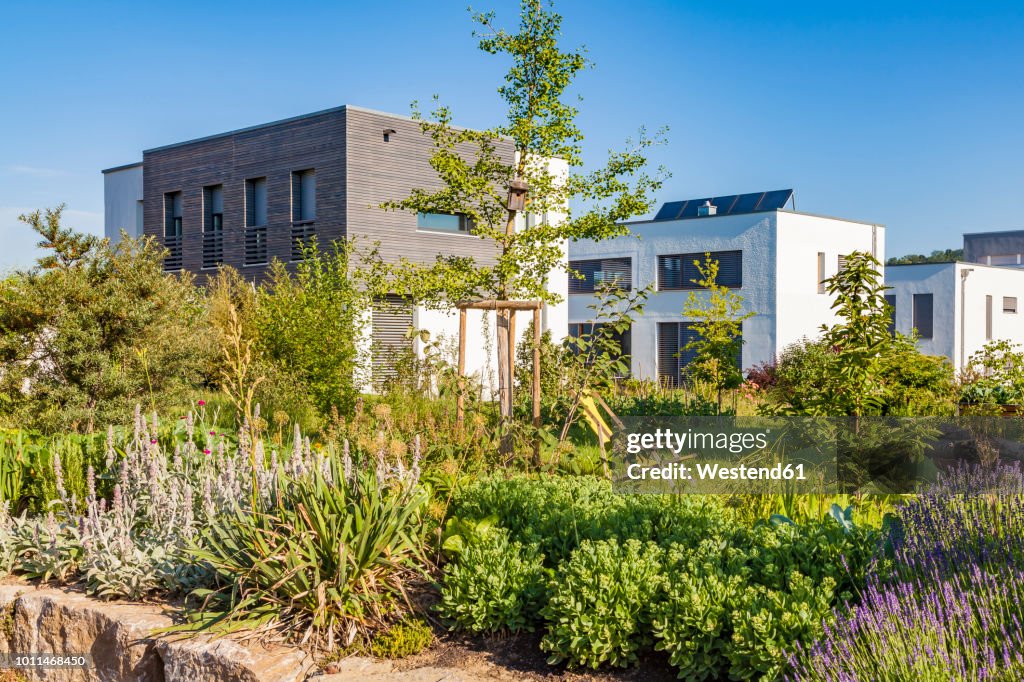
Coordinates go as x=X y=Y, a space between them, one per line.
x=249 y=196
x=775 y=256
x=956 y=308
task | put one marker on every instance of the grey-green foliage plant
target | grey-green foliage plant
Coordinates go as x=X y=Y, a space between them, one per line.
x=716 y=315
x=994 y=374
x=599 y=612
x=494 y=585
x=476 y=170
x=93 y=329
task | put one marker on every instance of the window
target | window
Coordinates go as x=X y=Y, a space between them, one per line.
x=603 y=271
x=303 y=211
x=923 y=315
x=1004 y=259
x=304 y=195
x=443 y=222
x=172 y=230
x=213 y=226
x=255 y=221
x=821 y=272
x=890 y=300
x=679 y=271
x=255 y=202
x=673 y=356
x=391 y=320
x=840 y=263
x=139 y=213
x=624 y=340
x=1010 y=304
x=988 y=318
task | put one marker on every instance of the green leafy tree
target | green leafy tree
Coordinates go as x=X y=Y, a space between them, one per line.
x=937 y=256
x=860 y=337
x=477 y=169
x=308 y=323
x=716 y=315
x=94 y=329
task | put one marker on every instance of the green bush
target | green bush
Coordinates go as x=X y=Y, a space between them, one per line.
x=405 y=638
x=495 y=585
x=599 y=610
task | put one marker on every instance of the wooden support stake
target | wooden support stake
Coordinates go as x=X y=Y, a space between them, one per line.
x=461 y=400
x=511 y=357
x=536 y=387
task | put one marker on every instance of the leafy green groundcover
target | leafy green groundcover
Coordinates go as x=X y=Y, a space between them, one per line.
x=609 y=576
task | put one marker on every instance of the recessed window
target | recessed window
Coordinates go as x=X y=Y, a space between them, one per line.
x=172 y=231
x=679 y=271
x=443 y=222
x=601 y=272
x=213 y=226
x=674 y=357
x=923 y=315
x=255 y=202
x=988 y=318
x=1010 y=304
x=304 y=195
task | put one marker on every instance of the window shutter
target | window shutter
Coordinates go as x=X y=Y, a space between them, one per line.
x=821 y=272
x=587 y=269
x=1009 y=304
x=841 y=263
x=392 y=318
x=668 y=348
x=670 y=274
x=617 y=270
x=730 y=268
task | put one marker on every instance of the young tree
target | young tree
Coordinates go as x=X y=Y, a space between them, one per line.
x=95 y=329
x=860 y=338
x=717 y=316
x=477 y=172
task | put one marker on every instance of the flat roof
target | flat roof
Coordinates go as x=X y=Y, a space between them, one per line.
x=1005 y=268
x=994 y=232
x=121 y=168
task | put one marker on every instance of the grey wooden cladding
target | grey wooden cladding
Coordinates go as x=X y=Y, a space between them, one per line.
x=273 y=151
x=380 y=171
x=353 y=170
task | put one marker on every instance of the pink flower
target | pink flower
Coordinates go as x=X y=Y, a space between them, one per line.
x=153 y=441
x=213 y=433
x=201 y=403
x=206 y=451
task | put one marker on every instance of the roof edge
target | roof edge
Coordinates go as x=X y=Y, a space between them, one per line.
x=121 y=168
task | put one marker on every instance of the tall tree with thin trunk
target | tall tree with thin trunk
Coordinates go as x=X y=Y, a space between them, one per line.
x=564 y=202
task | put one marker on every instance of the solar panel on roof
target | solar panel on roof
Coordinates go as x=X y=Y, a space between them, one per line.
x=690 y=209
x=734 y=204
x=724 y=204
x=669 y=211
x=773 y=201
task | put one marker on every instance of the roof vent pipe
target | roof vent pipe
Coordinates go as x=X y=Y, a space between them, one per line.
x=707 y=208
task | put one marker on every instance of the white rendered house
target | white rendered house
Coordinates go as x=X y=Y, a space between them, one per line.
x=774 y=256
x=956 y=308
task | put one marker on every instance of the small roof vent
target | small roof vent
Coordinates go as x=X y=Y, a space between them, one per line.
x=707 y=208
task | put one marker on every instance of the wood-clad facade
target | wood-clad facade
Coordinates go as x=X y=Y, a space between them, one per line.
x=360 y=158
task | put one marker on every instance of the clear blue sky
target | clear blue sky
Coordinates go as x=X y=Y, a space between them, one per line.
x=909 y=114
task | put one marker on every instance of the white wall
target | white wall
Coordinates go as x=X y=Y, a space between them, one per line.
x=751 y=233
x=946 y=284
x=801 y=309
x=122 y=194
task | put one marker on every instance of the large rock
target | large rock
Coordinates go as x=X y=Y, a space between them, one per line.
x=120 y=639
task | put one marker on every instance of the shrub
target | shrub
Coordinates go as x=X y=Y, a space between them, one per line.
x=494 y=586
x=405 y=638
x=599 y=610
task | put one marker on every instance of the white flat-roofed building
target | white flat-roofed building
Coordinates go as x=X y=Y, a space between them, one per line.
x=773 y=255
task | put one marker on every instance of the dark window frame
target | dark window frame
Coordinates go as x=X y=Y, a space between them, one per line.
x=465 y=223
x=924 y=323
x=684 y=270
